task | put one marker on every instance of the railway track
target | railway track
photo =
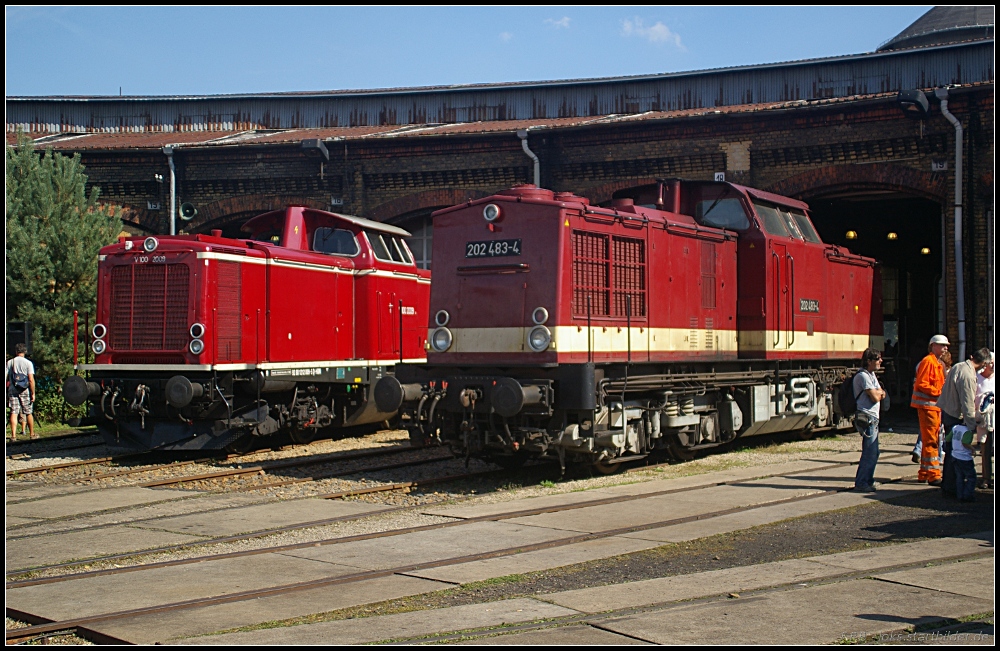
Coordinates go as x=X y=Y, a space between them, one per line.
x=50 y=627
x=386 y=534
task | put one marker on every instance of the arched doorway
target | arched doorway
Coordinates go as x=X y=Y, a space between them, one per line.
x=421 y=227
x=904 y=233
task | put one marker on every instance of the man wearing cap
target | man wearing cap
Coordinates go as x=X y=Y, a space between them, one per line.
x=926 y=390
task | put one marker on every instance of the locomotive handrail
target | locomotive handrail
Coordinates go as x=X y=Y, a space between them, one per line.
x=791 y=301
x=777 y=299
x=695 y=231
x=495 y=269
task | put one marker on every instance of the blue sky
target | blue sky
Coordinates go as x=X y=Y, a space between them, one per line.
x=215 y=50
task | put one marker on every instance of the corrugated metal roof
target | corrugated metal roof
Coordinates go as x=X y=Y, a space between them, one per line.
x=79 y=142
x=381 y=112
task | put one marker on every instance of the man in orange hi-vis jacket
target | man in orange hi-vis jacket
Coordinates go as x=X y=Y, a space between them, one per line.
x=926 y=389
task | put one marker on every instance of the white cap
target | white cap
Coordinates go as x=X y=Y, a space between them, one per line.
x=940 y=339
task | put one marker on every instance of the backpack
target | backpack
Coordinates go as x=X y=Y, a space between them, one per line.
x=19 y=381
x=846 y=400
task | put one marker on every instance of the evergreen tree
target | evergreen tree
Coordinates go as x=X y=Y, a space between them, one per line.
x=54 y=231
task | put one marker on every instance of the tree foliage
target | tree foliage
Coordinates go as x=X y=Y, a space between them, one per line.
x=54 y=232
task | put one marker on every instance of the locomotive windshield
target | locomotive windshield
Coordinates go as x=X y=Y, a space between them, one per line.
x=336 y=241
x=715 y=205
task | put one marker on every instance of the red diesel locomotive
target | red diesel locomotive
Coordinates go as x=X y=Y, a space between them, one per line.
x=679 y=317
x=205 y=342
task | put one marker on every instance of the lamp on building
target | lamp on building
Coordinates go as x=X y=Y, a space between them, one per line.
x=913 y=103
x=851 y=235
x=892 y=236
x=925 y=251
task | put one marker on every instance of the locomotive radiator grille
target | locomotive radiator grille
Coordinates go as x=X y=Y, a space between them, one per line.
x=228 y=338
x=610 y=272
x=591 y=274
x=629 y=276
x=149 y=307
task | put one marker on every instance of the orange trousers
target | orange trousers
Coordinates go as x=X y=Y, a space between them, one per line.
x=930 y=428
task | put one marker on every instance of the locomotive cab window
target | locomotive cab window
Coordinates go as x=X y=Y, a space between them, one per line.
x=773 y=221
x=805 y=226
x=336 y=241
x=270 y=236
x=389 y=248
x=719 y=206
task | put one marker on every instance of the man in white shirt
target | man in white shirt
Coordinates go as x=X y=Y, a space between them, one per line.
x=21 y=390
x=869 y=394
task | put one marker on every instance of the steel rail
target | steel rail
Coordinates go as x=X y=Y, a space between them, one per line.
x=260 y=593
x=360 y=537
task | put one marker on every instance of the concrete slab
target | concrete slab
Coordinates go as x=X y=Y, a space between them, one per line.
x=167 y=626
x=763 y=515
x=639 y=488
x=203 y=503
x=689 y=586
x=661 y=508
x=396 y=627
x=543 y=559
x=22 y=491
x=13 y=521
x=26 y=553
x=877 y=558
x=820 y=614
x=753 y=577
x=972 y=578
x=153 y=587
x=62 y=506
x=427 y=546
x=577 y=634
x=261 y=516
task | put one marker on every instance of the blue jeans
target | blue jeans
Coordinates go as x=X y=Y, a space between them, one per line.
x=869 y=452
x=965 y=479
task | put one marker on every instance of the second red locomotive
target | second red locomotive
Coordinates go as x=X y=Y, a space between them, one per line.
x=680 y=316
x=206 y=342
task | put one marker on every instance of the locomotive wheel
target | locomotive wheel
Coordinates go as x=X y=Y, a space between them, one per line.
x=604 y=468
x=241 y=445
x=805 y=434
x=304 y=435
x=678 y=451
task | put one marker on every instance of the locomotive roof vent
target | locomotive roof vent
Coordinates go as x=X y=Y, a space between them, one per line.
x=569 y=196
x=526 y=191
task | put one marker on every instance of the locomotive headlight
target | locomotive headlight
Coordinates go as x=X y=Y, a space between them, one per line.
x=539 y=338
x=99 y=331
x=540 y=315
x=149 y=244
x=197 y=331
x=98 y=346
x=441 y=339
x=441 y=318
x=491 y=212
x=196 y=346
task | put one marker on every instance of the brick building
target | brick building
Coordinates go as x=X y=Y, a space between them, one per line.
x=829 y=131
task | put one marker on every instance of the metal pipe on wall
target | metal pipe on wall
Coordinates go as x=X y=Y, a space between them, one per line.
x=523 y=135
x=942 y=96
x=169 y=151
